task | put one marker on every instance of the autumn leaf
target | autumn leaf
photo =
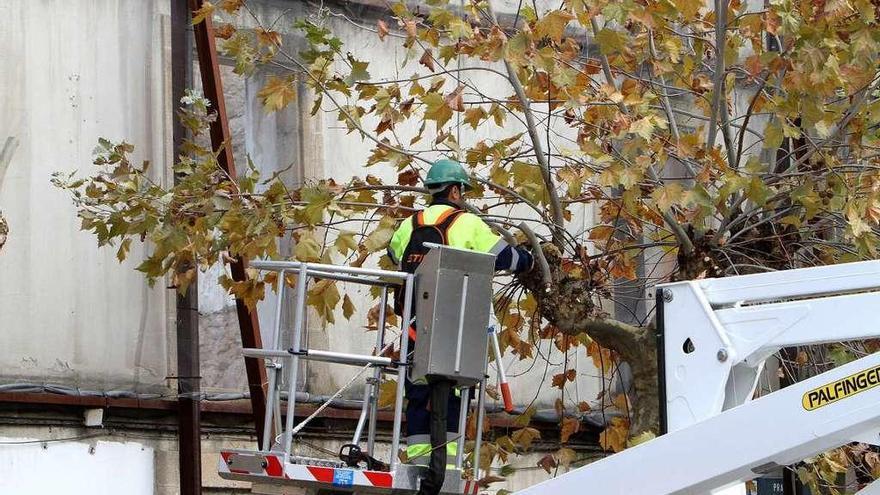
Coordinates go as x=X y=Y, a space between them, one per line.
x=642 y=437
x=202 y=13
x=474 y=115
x=548 y=462
x=323 y=297
x=552 y=25
x=358 y=71
x=454 y=100
x=381 y=29
x=568 y=427
x=307 y=249
x=613 y=437
x=526 y=417
x=436 y=109
x=427 y=59
x=408 y=177
x=620 y=403
x=230 y=6
x=381 y=236
x=524 y=437
x=610 y=41
x=387 y=393
x=565 y=456
x=268 y=37
x=224 y=31
x=559 y=380
x=347 y=307
x=644 y=127
x=345 y=243
x=121 y=253
x=277 y=93
x=688 y=8
x=667 y=196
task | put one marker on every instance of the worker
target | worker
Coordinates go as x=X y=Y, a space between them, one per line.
x=445 y=221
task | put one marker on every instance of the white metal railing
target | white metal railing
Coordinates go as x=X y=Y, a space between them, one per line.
x=278 y=358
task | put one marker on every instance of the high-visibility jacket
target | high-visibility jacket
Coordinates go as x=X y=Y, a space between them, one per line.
x=466 y=231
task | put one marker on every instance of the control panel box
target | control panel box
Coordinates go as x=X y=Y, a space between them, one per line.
x=452 y=297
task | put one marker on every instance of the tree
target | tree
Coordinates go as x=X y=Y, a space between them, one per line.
x=724 y=138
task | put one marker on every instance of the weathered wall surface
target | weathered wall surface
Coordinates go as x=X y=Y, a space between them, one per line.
x=72 y=72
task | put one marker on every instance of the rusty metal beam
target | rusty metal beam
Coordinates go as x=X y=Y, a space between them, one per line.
x=189 y=419
x=221 y=139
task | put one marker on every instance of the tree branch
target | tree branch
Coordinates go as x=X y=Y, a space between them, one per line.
x=718 y=77
x=531 y=127
x=539 y=255
x=686 y=245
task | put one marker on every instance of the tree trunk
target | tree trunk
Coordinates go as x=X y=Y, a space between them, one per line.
x=567 y=304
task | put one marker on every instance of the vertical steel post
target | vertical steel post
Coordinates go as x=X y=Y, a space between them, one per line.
x=188 y=369
x=377 y=374
x=462 y=426
x=274 y=368
x=402 y=369
x=478 y=441
x=221 y=141
x=302 y=281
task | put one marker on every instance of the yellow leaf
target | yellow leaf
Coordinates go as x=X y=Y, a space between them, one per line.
x=387 y=393
x=324 y=296
x=614 y=436
x=667 y=196
x=307 y=249
x=474 y=116
x=201 y=14
x=641 y=438
x=347 y=307
x=565 y=456
x=524 y=437
x=569 y=427
x=602 y=233
x=277 y=93
x=644 y=127
x=231 y=6
x=610 y=41
x=552 y=25
x=436 y=109
x=345 y=243
x=526 y=417
x=688 y=8
x=379 y=238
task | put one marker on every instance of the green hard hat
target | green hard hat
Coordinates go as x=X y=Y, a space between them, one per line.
x=445 y=172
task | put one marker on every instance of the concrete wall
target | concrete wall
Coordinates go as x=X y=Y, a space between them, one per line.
x=73 y=72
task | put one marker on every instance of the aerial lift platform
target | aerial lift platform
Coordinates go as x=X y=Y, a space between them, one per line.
x=451 y=291
x=714 y=336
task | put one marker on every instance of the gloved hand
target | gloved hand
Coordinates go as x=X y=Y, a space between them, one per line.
x=526 y=260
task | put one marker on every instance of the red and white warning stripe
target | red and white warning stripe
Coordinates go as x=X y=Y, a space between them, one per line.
x=270 y=466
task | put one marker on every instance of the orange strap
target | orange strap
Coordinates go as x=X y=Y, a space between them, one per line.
x=412 y=333
x=420 y=217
